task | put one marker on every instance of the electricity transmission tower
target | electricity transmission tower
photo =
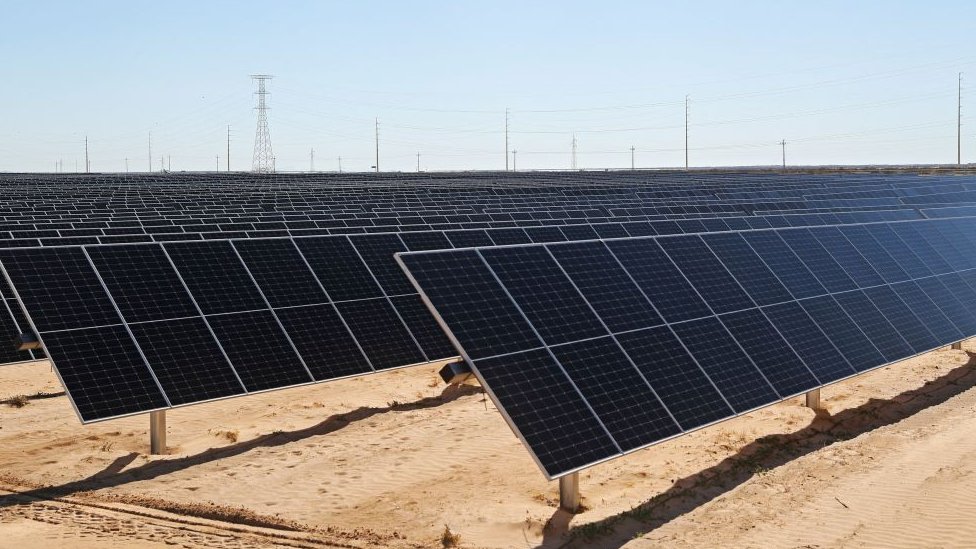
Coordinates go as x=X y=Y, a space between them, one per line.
x=573 y=161
x=263 y=160
x=376 y=136
x=506 y=140
x=632 y=148
x=783 y=144
x=959 y=123
x=686 y=131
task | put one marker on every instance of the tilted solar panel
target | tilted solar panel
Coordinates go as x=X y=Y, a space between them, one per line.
x=595 y=349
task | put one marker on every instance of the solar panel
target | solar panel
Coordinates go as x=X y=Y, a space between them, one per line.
x=822 y=313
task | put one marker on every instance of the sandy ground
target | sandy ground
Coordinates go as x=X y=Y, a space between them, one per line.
x=391 y=460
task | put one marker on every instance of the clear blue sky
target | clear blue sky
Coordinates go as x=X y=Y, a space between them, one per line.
x=841 y=82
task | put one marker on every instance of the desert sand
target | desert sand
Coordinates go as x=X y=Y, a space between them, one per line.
x=393 y=460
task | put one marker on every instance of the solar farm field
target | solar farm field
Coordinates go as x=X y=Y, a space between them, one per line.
x=547 y=359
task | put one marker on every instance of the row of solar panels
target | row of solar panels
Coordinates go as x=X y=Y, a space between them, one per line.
x=355 y=272
x=12 y=320
x=596 y=349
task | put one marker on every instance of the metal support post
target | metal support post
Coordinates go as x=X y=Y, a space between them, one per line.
x=813 y=400
x=157 y=432
x=569 y=493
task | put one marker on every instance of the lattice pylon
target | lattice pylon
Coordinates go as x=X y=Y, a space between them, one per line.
x=263 y=156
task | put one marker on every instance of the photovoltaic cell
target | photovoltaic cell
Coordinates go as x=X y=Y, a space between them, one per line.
x=193 y=370
x=874 y=324
x=339 y=268
x=215 y=276
x=618 y=394
x=874 y=253
x=928 y=312
x=103 y=372
x=774 y=357
x=748 y=268
x=659 y=279
x=548 y=412
x=377 y=251
x=716 y=286
x=380 y=332
x=142 y=282
x=544 y=294
x=785 y=264
x=59 y=287
x=810 y=343
x=673 y=373
x=424 y=327
x=606 y=286
x=902 y=318
x=725 y=363
x=324 y=343
x=468 y=298
x=259 y=350
x=268 y=260
x=848 y=256
x=830 y=274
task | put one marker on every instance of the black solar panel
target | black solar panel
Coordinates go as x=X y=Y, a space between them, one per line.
x=821 y=312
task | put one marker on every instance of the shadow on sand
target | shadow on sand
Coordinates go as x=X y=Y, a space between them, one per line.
x=763 y=454
x=115 y=474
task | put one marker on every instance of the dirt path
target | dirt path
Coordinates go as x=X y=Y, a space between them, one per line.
x=390 y=460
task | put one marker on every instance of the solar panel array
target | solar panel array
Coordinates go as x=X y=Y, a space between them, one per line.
x=47 y=210
x=596 y=349
x=159 y=291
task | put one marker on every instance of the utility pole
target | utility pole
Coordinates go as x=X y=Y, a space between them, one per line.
x=572 y=163
x=87 y=164
x=377 y=137
x=632 y=148
x=514 y=160
x=311 y=160
x=162 y=164
x=959 y=124
x=506 y=139
x=228 y=148
x=783 y=144
x=340 y=164
x=418 y=161
x=150 y=151
x=218 y=162
x=127 y=164
x=686 y=131
x=169 y=163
